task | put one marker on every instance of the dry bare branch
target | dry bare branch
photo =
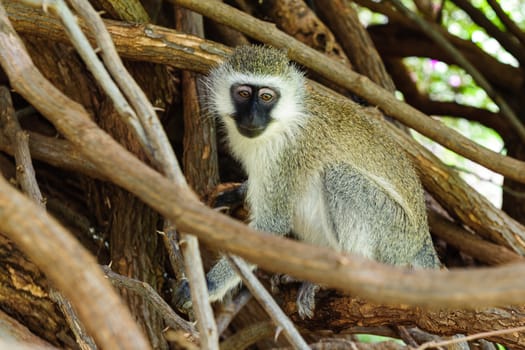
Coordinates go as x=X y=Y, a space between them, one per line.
x=267 y=302
x=150 y=295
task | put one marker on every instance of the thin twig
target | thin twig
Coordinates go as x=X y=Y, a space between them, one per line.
x=230 y=310
x=25 y=172
x=267 y=302
x=435 y=344
x=151 y=296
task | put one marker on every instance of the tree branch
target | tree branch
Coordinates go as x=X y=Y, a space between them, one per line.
x=507 y=40
x=430 y=30
x=267 y=302
x=505 y=19
x=150 y=295
x=352 y=311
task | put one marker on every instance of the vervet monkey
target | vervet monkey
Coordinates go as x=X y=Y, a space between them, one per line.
x=317 y=168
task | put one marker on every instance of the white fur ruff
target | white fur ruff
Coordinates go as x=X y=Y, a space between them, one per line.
x=287 y=115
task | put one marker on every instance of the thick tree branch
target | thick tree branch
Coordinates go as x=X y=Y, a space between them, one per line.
x=145 y=42
x=352 y=311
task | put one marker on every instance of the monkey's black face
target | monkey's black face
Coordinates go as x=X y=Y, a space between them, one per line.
x=253 y=105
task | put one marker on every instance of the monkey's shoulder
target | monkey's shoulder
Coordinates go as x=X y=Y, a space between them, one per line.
x=346 y=135
x=342 y=116
x=349 y=130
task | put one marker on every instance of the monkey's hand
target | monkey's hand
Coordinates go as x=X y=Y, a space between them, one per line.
x=229 y=195
x=182 y=297
x=281 y=279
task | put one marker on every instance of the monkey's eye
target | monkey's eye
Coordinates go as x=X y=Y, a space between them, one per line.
x=266 y=94
x=244 y=91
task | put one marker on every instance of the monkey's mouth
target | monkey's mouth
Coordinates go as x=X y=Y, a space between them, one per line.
x=250 y=132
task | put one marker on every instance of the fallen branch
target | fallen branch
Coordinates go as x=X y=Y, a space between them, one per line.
x=353 y=312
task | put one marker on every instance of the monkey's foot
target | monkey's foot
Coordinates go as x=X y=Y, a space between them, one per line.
x=306 y=299
x=182 y=297
x=305 y=295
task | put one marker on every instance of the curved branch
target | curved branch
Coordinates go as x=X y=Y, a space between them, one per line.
x=505 y=19
x=400 y=40
x=362 y=86
x=507 y=40
x=430 y=30
x=443 y=108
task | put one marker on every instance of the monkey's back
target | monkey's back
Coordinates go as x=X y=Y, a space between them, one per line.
x=360 y=162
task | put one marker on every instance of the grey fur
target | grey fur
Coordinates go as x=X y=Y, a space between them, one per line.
x=368 y=199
